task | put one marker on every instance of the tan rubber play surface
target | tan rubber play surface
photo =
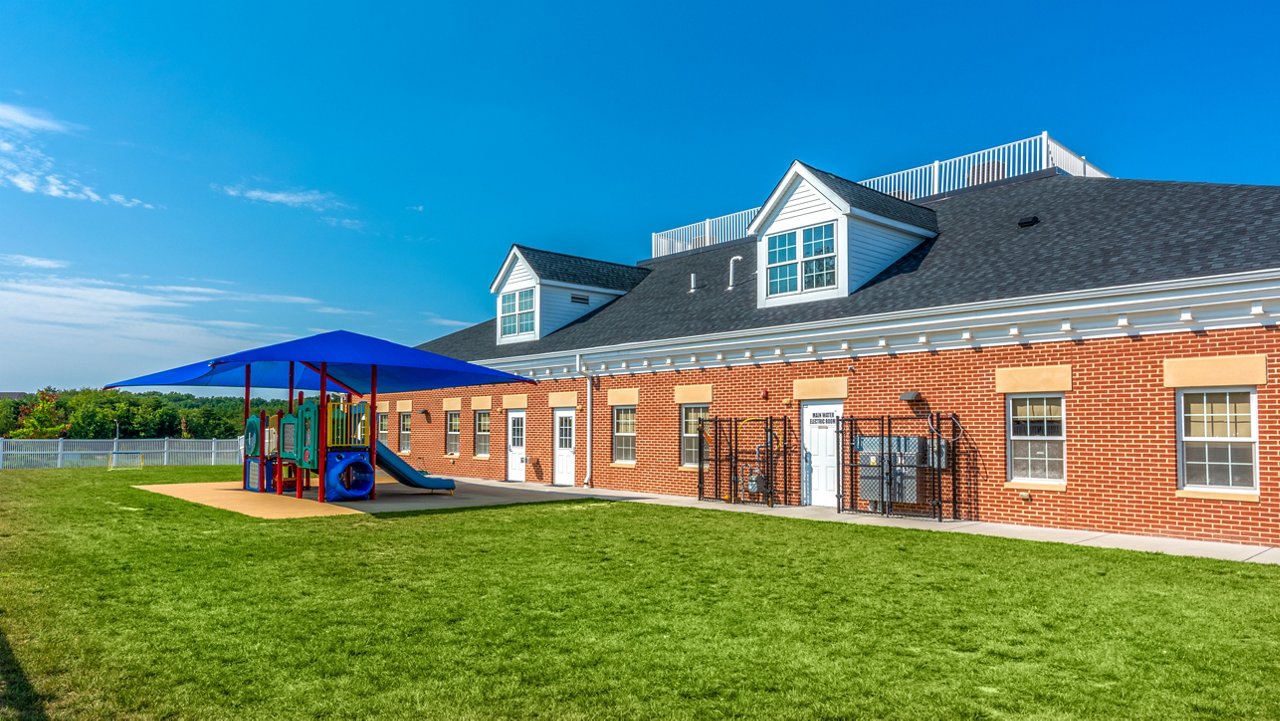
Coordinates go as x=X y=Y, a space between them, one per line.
x=392 y=497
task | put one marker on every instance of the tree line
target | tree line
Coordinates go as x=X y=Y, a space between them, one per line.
x=96 y=413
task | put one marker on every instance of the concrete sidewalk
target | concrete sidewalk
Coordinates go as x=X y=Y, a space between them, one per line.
x=1154 y=544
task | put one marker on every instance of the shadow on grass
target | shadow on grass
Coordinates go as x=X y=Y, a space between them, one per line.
x=18 y=698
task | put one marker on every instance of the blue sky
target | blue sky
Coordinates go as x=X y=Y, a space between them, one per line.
x=179 y=180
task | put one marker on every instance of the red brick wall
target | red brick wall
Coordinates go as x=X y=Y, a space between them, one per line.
x=1121 y=444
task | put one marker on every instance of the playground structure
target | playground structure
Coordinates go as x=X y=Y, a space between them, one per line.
x=323 y=442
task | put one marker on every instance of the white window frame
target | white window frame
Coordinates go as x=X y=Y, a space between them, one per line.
x=452 y=432
x=486 y=433
x=383 y=425
x=632 y=434
x=1010 y=438
x=684 y=434
x=801 y=258
x=406 y=435
x=1183 y=439
x=532 y=312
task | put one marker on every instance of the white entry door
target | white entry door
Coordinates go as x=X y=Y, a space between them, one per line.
x=820 y=452
x=516 y=458
x=564 y=461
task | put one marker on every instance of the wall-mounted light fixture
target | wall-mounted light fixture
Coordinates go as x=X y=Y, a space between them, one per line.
x=910 y=396
x=426 y=414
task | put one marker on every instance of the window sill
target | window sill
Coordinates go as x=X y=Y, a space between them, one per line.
x=450 y=455
x=622 y=465
x=687 y=469
x=481 y=457
x=1055 y=486
x=1216 y=494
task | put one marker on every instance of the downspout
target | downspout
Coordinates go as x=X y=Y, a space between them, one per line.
x=586 y=480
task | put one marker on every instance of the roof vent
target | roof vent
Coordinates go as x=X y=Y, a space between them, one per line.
x=1028 y=221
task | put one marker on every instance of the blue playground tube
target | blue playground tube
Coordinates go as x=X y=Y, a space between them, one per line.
x=347 y=476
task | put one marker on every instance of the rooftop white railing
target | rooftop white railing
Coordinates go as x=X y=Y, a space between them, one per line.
x=1021 y=157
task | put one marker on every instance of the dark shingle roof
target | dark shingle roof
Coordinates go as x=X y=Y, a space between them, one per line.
x=1093 y=233
x=582 y=271
x=873 y=201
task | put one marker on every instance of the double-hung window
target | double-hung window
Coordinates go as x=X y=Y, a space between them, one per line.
x=1037 y=438
x=517 y=312
x=382 y=428
x=690 y=416
x=811 y=266
x=482 y=433
x=406 y=425
x=1218 y=442
x=624 y=434
x=452 y=432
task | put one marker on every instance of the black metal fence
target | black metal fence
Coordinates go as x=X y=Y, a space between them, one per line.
x=905 y=466
x=747 y=460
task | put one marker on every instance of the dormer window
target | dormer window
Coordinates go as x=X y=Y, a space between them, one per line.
x=815 y=269
x=517 y=312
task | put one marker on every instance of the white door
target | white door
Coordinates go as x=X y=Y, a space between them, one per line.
x=820 y=452
x=564 y=461
x=515 y=446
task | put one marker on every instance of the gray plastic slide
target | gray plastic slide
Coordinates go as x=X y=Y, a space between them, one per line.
x=405 y=474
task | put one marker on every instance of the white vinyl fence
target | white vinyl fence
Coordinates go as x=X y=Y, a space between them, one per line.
x=119 y=453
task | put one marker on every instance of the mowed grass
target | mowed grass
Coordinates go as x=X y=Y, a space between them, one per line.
x=116 y=603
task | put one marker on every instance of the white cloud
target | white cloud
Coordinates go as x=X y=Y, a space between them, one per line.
x=312 y=199
x=348 y=223
x=330 y=310
x=74 y=331
x=16 y=117
x=435 y=319
x=417 y=208
x=31 y=261
x=25 y=165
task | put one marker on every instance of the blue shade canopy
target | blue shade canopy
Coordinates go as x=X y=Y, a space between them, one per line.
x=350 y=358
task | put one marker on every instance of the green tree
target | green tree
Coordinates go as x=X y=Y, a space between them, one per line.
x=42 y=418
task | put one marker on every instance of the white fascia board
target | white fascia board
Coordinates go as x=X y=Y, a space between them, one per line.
x=512 y=257
x=915 y=230
x=1136 y=298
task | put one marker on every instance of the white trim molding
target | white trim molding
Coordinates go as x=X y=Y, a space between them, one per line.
x=1218 y=302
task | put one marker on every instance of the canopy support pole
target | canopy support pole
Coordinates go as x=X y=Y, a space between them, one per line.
x=290 y=386
x=371 y=421
x=323 y=444
x=248 y=370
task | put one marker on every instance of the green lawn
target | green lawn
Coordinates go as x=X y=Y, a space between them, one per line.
x=120 y=603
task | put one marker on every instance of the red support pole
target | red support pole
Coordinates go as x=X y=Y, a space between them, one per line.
x=262 y=451
x=323 y=445
x=370 y=417
x=247 y=378
x=290 y=386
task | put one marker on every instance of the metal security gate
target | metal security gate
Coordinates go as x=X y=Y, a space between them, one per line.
x=747 y=460
x=901 y=465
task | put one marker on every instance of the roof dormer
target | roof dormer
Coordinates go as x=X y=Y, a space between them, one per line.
x=820 y=236
x=538 y=292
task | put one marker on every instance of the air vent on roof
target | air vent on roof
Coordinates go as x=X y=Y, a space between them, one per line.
x=1028 y=221
x=580 y=299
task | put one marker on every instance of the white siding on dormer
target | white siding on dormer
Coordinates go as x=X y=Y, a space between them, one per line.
x=804 y=205
x=874 y=247
x=558 y=310
x=520 y=276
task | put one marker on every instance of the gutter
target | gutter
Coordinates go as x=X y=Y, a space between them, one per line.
x=586 y=480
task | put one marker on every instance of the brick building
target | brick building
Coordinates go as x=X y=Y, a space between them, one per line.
x=1011 y=336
